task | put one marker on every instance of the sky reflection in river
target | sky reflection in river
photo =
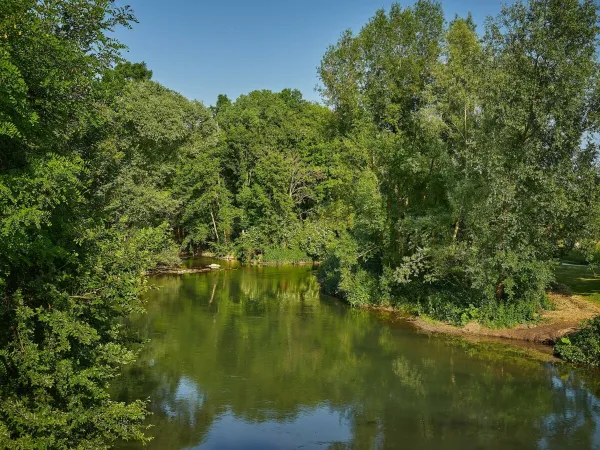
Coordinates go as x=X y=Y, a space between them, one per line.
x=255 y=358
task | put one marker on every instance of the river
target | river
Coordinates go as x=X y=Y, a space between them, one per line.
x=256 y=358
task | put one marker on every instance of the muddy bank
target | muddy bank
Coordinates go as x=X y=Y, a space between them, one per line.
x=564 y=319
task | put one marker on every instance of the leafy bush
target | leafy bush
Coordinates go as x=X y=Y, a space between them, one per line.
x=282 y=255
x=582 y=347
x=359 y=288
x=560 y=288
x=463 y=306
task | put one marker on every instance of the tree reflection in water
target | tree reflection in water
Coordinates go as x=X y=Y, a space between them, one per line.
x=256 y=358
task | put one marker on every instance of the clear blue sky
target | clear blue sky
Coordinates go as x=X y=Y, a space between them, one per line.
x=202 y=48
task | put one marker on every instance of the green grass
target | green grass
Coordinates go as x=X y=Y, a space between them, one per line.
x=580 y=279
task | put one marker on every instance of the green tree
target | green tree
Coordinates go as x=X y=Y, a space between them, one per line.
x=133 y=71
x=278 y=161
x=67 y=274
x=481 y=149
x=151 y=128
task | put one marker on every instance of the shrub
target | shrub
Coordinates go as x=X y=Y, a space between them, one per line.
x=560 y=288
x=282 y=255
x=582 y=347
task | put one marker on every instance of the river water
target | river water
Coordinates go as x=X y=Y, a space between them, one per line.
x=256 y=358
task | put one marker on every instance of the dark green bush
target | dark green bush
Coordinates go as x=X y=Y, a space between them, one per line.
x=582 y=347
x=560 y=288
x=282 y=255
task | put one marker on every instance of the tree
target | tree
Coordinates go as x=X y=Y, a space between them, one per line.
x=133 y=71
x=151 y=132
x=476 y=145
x=274 y=154
x=67 y=275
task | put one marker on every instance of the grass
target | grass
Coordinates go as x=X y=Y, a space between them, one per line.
x=581 y=280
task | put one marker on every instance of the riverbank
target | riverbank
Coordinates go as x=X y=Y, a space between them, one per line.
x=579 y=300
x=185 y=270
x=180 y=270
x=176 y=271
x=566 y=317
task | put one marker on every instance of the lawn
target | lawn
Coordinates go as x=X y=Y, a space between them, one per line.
x=581 y=279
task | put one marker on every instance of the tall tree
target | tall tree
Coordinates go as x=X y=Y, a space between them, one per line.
x=481 y=151
x=67 y=276
x=274 y=152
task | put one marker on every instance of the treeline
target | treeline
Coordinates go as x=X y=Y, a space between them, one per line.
x=69 y=269
x=446 y=173
x=481 y=156
x=253 y=179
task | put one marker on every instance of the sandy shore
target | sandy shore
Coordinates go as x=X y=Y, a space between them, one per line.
x=564 y=319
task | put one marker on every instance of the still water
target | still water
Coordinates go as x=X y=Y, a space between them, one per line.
x=255 y=358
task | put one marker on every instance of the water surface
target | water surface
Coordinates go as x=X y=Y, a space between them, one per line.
x=255 y=358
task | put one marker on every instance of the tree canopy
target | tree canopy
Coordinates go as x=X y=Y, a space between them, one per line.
x=445 y=173
x=481 y=149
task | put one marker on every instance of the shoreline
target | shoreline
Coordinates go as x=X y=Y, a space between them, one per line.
x=254 y=263
x=184 y=271
x=566 y=318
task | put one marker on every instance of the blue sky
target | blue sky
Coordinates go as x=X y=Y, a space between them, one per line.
x=203 y=48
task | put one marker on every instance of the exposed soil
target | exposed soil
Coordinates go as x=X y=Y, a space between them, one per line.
x=564 y=319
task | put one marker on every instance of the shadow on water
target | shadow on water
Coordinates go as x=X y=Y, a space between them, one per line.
x=256 y=359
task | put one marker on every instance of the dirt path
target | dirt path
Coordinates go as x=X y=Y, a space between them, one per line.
x=565 y=318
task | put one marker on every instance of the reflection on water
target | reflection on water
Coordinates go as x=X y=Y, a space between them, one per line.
x=326 y=426
x=186 y=400
x=255 y=358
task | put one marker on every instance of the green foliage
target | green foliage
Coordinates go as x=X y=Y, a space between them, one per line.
x=36 y=39
x=63 y=351
x=133 y=71
x=69 y=271
x=359 y=287
x=262 y=177
x=284 y=255
x=159 y=145
x=480 y=154
x=269 y=186
x=582 y=347
x=448 y=173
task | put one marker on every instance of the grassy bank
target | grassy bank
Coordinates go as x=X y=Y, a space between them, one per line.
x=583 y=345
x=581 y=280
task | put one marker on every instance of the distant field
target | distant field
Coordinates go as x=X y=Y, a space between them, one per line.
x=580 y=279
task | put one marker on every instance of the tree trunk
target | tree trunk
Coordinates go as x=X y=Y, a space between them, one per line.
x=499 y=291
x=214 y=225
x=465 y=134
x=456 y=228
